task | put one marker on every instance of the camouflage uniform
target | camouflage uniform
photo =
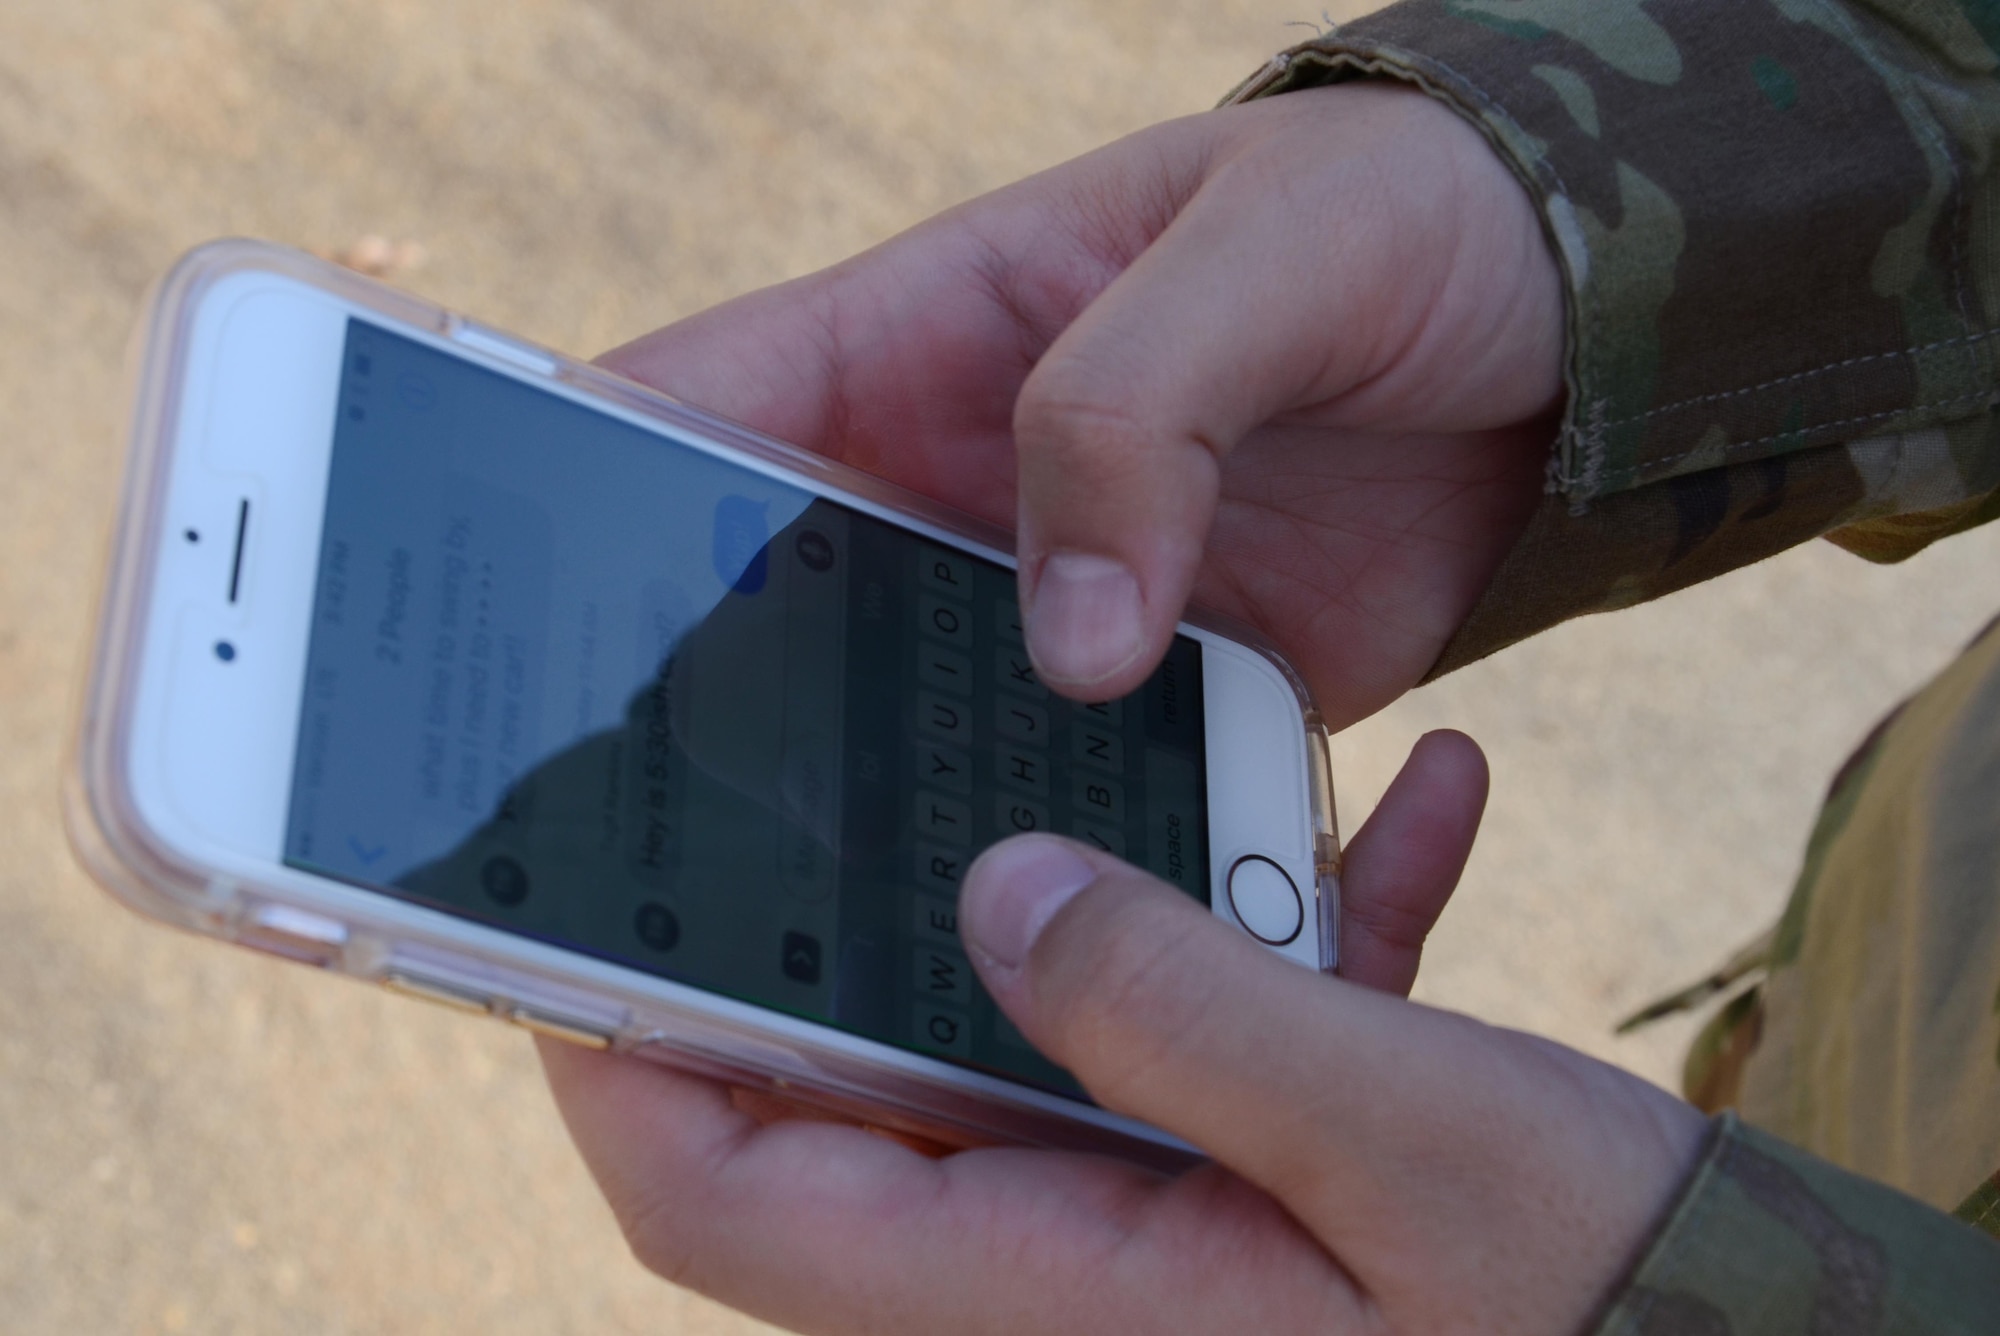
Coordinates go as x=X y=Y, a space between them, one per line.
x=1779 y=225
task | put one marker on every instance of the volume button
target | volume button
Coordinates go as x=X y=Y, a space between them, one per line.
x=409 y=985
x=570 y=1032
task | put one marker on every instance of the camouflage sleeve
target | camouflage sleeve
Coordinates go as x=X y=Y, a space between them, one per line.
x=1777 y=223
x=1765 y=1238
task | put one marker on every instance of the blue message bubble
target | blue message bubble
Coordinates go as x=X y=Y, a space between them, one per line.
x=741 y=533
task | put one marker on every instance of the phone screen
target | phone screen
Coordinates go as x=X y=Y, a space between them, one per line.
x=591 y=684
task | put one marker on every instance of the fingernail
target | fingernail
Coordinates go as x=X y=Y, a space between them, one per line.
x=1012 y=892
x=1084 y=619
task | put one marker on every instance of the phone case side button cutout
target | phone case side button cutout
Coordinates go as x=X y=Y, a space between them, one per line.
x=411 y=986
x=570 y=1032
x=499 y=346
x=301 y=924
x=295 y=934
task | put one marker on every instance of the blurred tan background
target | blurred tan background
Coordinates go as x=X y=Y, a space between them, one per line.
x=196 y=1140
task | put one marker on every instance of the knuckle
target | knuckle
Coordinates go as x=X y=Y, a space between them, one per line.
x=669 y=1221
x=1390 y=923
x=1066 y=421
x=653 y=1231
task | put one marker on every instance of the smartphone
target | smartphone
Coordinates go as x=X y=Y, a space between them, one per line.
x=442 y=660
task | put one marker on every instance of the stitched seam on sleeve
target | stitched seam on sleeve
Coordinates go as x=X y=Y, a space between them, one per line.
x=1922 y=122
x=1737 y=447
x=1914 y=101
x=1487 y=100
x=1394 y=61
x=1830 y=367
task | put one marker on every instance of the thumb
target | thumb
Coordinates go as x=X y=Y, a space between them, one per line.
x=1161 y=1010
x=1427 y=1152
x=1271 y=290
x=1120 y=433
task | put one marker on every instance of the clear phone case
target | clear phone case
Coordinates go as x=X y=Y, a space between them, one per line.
x=458 y=964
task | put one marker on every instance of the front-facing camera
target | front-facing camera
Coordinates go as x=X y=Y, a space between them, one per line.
x=225 y=651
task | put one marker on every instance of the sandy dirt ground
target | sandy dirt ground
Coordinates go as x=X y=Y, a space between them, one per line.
x=193 y=1139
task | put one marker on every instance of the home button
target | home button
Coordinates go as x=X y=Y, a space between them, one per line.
x=1266 y=900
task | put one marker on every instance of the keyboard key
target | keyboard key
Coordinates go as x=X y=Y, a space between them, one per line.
x=942 y=1029
x=945 y=719
x=945 y=620
x=945 y=669
x=1020 y=769
x=1097 y=747
x=947 y=572
x=1013 y=670
x=1007 y=620
x=1099 y=836
x=943 y=976
x=1174 y=847
x=935 y=919
x=939 y=868
x=1109 y=713
x=946 y=820
x=944 y=767
x=1171 y=699
x=1019 y=720
x=1018 y=816
x=1098 y=797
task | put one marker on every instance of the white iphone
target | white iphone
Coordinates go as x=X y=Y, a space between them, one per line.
x=445 y=661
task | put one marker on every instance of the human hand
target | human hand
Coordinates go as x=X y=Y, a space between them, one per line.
x=1379 y=1166
x=1300 y=357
